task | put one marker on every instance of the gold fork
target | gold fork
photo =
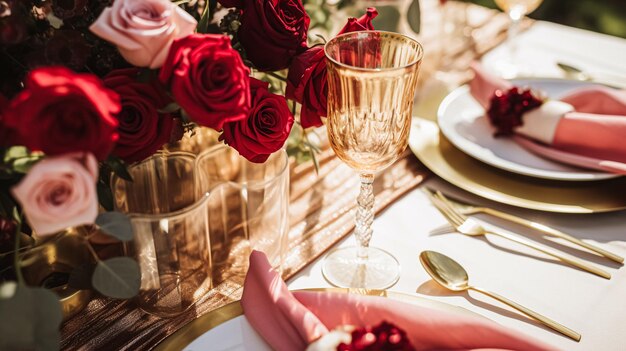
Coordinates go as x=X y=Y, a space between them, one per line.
x=470 y=209
x=471 y=227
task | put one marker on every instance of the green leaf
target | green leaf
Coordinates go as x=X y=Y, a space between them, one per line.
x=115 y=224
x=105 y=196
x=15 y=152
x=119 y=168
x=170 y=108
x=203 y=24
x=118 y=277
x=24 y=164
x=30 y=320
x=413 y=16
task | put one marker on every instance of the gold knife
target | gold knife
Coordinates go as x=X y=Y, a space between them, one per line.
x=468 y=209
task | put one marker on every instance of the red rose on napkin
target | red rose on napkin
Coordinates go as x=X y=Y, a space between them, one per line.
x=306 y=82
x=586 y=128
x=208 y=79
x=143 y=130
x=60 y=111
x=273 y=32
x=266 y=128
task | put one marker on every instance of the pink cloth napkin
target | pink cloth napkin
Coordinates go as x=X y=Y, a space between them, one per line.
x=289 y=322
x=590 y=135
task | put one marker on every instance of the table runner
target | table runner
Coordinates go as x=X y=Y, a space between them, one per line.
x=320 y=215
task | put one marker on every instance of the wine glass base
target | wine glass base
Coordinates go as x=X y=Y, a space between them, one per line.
x=342 y=268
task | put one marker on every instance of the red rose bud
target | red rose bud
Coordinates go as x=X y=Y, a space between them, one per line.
x=507 y=108
x=306 y=84
x=362 y=23
x=60 y=111
x=273 y=32
x=265 y=130
x=207 y=79
x=143 y=130
x=306 y=81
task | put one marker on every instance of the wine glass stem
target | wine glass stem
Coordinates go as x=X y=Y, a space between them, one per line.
x=512 y=32
x=365 y=215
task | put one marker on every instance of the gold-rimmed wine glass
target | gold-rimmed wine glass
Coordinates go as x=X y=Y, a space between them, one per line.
x=372 y=77
x=516 y=9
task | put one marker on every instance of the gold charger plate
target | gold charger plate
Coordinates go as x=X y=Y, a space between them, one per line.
x=187 y=334
x=469 y=174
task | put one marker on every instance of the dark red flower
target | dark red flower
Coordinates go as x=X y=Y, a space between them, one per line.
x=143 y=130
x=383 y=337
x=208 y=79
x=68 y=48
x=65 y=9
x=306 y=82
x=60 y=111
x=265 y=130
x=273 y=32
x=507 y=108
x=6 y=134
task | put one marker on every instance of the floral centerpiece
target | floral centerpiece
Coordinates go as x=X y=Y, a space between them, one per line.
x=88 y=87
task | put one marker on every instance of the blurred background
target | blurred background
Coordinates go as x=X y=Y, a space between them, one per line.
x=604 y=16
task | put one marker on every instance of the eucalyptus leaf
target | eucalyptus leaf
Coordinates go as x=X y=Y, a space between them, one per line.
x=115 y=224
x=413 y=16
x=30 y=320
x=118 y=277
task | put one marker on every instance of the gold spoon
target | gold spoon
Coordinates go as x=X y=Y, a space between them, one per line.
x=451 y=275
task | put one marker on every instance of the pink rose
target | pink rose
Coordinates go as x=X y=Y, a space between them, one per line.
x=59 y=192
x=143 y=30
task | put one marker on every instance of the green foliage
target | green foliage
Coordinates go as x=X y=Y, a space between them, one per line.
x=30 y=318
x=117 y=277
x=115 y=224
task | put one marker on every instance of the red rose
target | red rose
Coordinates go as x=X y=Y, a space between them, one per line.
x=306 y=82
x=60 y=111
x=266 y=128
x=273 y=32
x=208 y=79
x=143 y=130
x=6 y=134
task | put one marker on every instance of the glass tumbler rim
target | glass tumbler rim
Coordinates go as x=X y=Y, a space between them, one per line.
x=364 y=69
x=164 y=215
x=252 y=185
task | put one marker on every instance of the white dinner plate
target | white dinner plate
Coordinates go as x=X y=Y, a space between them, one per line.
x=226 y=329
x=463 y=122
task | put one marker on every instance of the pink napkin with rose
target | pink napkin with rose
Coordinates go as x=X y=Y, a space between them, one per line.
x=290 y=321
x=585 y=128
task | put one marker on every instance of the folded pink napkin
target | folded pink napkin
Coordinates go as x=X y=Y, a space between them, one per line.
x=289 y=322
x=585 y=128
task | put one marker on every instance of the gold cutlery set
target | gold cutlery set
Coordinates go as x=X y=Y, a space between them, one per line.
x=449 y=274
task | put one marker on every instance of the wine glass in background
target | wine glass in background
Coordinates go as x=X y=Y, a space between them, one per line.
x=516 y=9
x=372 y=77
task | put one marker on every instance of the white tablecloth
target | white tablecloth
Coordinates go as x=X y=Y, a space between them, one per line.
x=591 y=305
